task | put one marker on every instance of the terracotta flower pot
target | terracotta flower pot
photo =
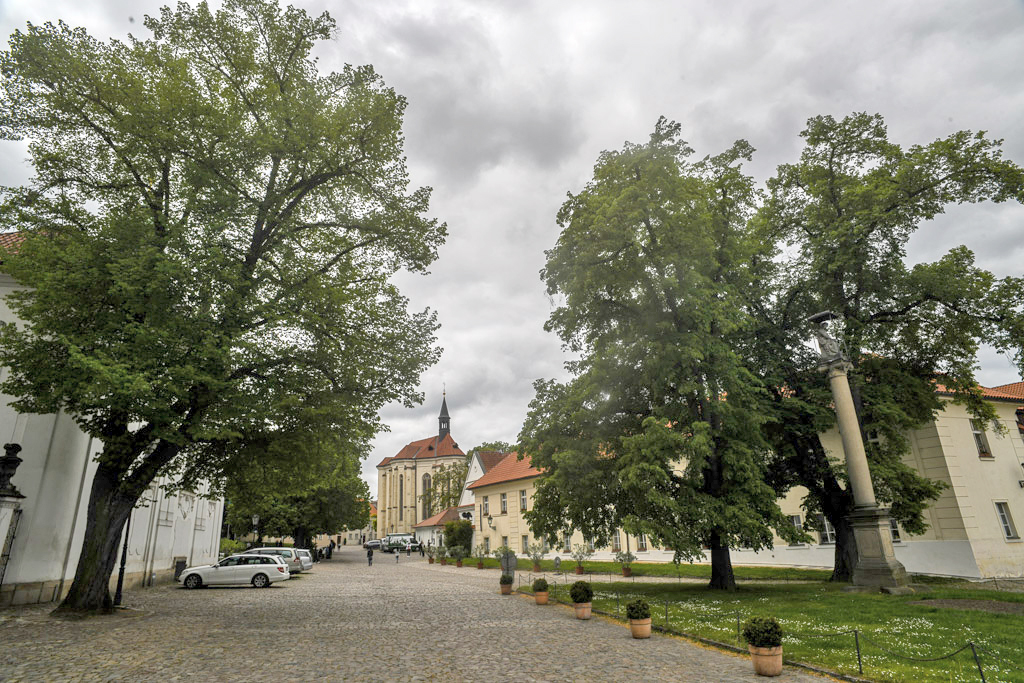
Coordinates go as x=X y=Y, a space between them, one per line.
x=458 y=563
x=506 y=589
x=430 y=560
x=627 y=571
x=443 y=562
x=541 y=597
x=640 y=628
x=536 y=568
x=479 y=565
x=767 y=660
x=579 y=570
x=582 y=609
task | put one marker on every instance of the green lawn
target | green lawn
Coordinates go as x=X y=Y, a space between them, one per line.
x=809 y=611
x=686 y=571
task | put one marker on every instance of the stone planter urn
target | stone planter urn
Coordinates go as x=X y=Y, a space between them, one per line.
x=579 y=569
x=640 y=628
x=582 y=609
x=541 y=597
x=506 y=589
x=767 y=660
x=627 y=571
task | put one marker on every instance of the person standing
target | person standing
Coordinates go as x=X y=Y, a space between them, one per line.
x=369 y=557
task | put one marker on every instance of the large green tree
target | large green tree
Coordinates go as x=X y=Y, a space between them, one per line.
x=839 y=221
x=446 y=484
x=208 y=240
x=659 y=428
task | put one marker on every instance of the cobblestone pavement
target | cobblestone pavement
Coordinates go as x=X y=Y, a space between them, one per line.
x=404 y=621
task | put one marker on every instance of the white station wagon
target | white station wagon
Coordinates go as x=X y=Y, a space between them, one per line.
x=259 y=570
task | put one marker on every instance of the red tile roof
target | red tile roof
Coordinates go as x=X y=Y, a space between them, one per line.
x=490 y=458
x=9 y=241
x=1014 y=390
x=449 y=515
x=431 y=447
x=510 y=468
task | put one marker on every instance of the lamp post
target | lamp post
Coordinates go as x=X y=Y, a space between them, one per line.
x=255 y=528
x=124 y=558
x=877 y=566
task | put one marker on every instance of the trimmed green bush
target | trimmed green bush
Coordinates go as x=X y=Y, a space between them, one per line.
x=540 y=585
x=638 y=609
x=762 y=632
x=625 y=558
x=457 y=552
x=229 y=547
x=458 y=533
x=506 y=579
x=581 y=592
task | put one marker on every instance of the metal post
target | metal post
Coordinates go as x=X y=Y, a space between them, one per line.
x=860 y=664
x=124 y=557
x=666 y=614
x=737 y=627
x=977 y=661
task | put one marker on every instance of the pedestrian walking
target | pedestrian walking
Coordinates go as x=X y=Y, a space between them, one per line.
x=369 y=556
x=422 y=553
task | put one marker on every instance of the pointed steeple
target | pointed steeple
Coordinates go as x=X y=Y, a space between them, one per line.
x=443 y=421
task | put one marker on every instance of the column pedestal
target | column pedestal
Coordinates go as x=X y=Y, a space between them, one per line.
x=877 y=567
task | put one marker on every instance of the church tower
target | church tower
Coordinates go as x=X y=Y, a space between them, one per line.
x=443 y=421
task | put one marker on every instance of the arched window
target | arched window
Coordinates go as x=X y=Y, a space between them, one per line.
x=427 y=511
x=401 y=497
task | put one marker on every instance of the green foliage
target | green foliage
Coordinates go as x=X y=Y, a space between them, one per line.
x=540 y=585
x=536 y=552
x=457 y=552
x=458 y=533
x=638 y=609
x=625 y=558
x=580 y=553
x=581 y=592
x=506 y=579
x=480 y=552
x=440 y=552
x=500 y=551
x=430 y=551
x=446 y=485
x=496 y=446
x=230 y=547
x=209 y=240
x=762 y=632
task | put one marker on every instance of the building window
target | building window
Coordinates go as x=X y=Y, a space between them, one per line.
x=504 y=541
x=980 y=440
x=401 y=497
x=487 y=507
x=827 y=535
x=641 y=542
x=590 y=545
x=544 y=543
x=567 y=543
x=894 y=530
x=616 y=542
x=427 y=509
x=1009 y=530
x=795 y=521
x=166 y=517
x=504 y=503
x=525 y=540
x=487 y=544
x=522 y=499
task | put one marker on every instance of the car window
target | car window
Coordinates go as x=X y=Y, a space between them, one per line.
x=229 y=561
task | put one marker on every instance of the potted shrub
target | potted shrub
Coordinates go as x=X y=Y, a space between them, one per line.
x=536 y=552
x=506 y=584
x=639 y=614
x=457 y=552
x=442 y=555
x=580 y=553
x=764 y=640
x=625 y=559
x=430 y=551
x=480 y=552
x=581 y=594
x=540 y=591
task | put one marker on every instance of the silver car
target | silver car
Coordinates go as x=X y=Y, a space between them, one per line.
x=306 y=557
x=289 y=555
x=258 y=570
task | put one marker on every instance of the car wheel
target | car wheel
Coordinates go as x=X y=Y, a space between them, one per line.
x=260 y=581
x=193 y=581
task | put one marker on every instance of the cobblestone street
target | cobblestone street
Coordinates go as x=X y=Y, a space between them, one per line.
x=404 y=621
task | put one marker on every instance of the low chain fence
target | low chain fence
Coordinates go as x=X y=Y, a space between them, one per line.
x=857 y=635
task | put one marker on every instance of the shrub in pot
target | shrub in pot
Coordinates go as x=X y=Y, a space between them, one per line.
x=457 y=552
x=540 y=591
x=625 y=559
x=480 y=553
x=764 y=640
x=536 y=552
x=580 y=553
x=581 y=594
x=431 y=551
x=639 y=614
x=442 y=554
x=506 y=584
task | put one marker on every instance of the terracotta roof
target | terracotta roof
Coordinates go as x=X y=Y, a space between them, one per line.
x=373 y=508
x=1014 y=390
x=430 y=447
x=488 y=459
x=449 y=515
x=9 y=241
x=510 y=468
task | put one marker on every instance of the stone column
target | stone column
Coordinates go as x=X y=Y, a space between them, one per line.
x=877 y=566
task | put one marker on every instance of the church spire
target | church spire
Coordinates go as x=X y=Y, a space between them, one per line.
x=443 y=421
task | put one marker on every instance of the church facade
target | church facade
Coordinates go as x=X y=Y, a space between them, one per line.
x=403 y=477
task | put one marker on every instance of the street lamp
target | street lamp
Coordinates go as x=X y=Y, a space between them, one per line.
x=255 y=527
x=877 y=565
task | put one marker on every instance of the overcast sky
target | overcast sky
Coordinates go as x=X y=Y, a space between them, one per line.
x=510 y=104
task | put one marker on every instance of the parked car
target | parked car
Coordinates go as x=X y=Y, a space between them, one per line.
x=400 y=542
x=306 y=557
x=289 y=555
x=373 y=543
x=259 y=570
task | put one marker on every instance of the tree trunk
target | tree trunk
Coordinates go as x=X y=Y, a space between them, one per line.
x=108 y=510
x=722 y=577
x=846 y=551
